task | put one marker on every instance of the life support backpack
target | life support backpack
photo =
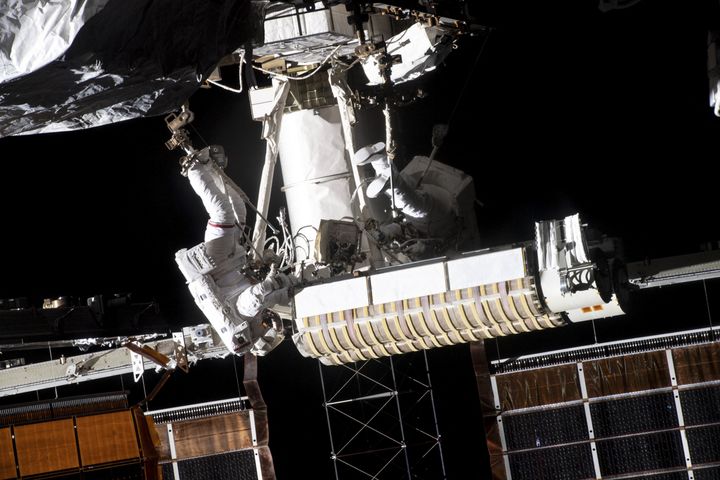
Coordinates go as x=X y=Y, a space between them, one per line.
x=239 y=333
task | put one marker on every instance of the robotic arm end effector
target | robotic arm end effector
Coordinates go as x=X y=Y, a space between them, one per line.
x=176 y=123
x=273 y=336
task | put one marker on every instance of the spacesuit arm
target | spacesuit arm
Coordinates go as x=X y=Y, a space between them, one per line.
x=273 y=290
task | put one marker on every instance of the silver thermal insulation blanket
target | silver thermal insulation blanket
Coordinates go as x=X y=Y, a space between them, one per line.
x=73 y=64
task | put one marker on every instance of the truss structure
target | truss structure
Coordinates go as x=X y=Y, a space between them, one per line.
x=382 y=420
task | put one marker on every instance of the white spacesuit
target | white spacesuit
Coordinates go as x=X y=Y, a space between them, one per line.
x=236 y=307
x=429 y=208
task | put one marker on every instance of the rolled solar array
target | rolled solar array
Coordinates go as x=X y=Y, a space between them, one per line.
x=418 y=307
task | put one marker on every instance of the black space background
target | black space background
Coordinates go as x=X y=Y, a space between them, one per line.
x=568 y=110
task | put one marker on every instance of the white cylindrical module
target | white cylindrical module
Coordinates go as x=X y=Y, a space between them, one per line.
x=315 y=173
x=566 y=272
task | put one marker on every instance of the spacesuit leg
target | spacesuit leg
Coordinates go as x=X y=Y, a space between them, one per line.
x=237 y=199
x=222 y=232
x=208 y=184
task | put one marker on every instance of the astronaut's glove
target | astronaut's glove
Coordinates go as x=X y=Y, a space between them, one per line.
x=280 y=280
x=386 y=233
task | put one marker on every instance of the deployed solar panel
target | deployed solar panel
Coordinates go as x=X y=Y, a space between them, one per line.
x=640 y=453
x=639 y=413
x=643 y=409
x=230 y=466
x=545 y=427
x=560 y=463
x=707 y=474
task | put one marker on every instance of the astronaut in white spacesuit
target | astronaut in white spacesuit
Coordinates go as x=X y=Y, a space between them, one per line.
x=430 y=209
x=238 y=308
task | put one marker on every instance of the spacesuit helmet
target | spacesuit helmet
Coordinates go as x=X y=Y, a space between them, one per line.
x=214 y=153
x=217 y=155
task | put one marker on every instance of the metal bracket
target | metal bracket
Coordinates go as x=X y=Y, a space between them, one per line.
x=138 y=366
x=176 y=124
x=138 y=352
x=180 y=351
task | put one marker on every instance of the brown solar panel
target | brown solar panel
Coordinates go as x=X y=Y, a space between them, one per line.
x=697 y=364
x=225 y=433
x=7 y=456
x=629 y=373
x=163 y=446
x=538 y=387
x=46 y=447
x=641 y=418
x=105 y=438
